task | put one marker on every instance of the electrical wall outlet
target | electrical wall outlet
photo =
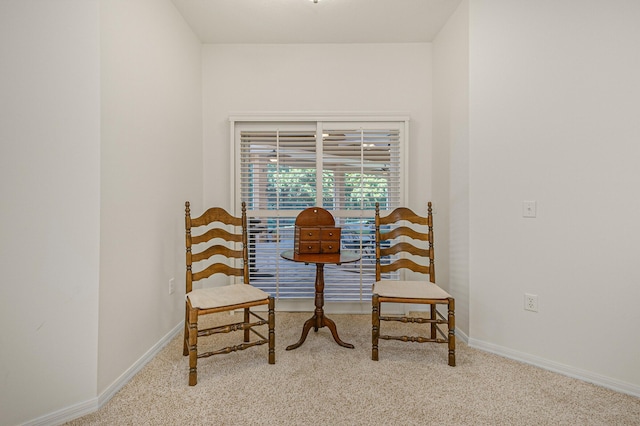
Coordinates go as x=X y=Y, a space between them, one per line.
x=529 y=209
x=531 y=302
x=172 y=286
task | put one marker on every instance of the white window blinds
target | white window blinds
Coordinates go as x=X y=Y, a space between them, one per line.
x=361 y=167
x=278 y=169
x=345 y=167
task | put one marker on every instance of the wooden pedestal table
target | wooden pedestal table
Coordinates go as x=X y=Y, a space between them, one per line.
x=319 y=320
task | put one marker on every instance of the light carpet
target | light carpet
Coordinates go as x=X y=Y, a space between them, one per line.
x=326 y=384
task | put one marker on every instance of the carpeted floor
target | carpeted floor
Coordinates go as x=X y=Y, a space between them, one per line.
x=323 y=383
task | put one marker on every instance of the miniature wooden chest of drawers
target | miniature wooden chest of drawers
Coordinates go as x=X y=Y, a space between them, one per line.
x=315 y=232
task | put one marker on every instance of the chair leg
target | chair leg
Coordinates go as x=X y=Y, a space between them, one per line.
x=246 y=325
x=185 y=346
x=451 y=320
x=375 y=329
x=433 y=321
x=193 y=347
x=272 y=333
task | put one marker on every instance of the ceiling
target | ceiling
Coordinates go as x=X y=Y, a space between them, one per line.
x=327 y=21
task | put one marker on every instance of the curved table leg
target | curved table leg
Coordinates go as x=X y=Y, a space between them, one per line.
x=332 y=326
x=305 y=331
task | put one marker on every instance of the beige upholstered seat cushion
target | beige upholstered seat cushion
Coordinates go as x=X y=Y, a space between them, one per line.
x=217 y=297
x=409 y=289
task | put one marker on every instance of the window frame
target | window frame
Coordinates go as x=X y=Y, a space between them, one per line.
x=306 y=121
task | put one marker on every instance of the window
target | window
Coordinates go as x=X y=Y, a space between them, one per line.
x=283 y=167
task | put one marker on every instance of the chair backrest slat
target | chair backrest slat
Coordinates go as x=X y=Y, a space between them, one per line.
x=216 y=214
x=218 y=268
x=211 y=234
x=216 y=250
x=404 y=231
x=404 y=247
x=403 y=213
x=404 y=263
x=223 y=232
x=405 y=226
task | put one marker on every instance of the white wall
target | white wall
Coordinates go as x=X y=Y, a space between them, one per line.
x=554 y=94
x=450 y=159
x=151 y=164
x=317 y=77
x=552 y=117
x=50 y=208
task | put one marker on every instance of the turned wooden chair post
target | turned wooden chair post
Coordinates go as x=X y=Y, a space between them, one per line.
x=375 y=330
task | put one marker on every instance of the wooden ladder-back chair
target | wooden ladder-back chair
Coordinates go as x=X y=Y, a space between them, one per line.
x=219 y=253
x=398 y=246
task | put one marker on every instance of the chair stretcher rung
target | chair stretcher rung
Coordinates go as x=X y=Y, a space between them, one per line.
x=229 y=328
x=257 y=333
x=415 y=320
x=257 y=316
x=416 y=339
x=230 y=349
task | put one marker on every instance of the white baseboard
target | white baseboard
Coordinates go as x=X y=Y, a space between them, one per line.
x=87 y=407
x=461 y=336
x=109 y=392
x=66 y=414
x=566 y=370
